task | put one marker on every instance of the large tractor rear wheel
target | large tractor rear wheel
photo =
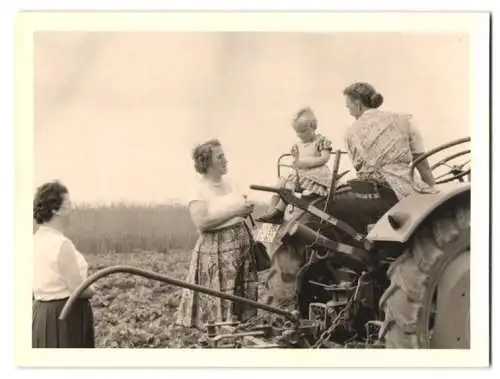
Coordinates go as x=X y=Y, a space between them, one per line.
x=427 y=303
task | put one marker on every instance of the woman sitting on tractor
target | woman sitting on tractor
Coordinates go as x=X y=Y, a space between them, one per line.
x=382 y=146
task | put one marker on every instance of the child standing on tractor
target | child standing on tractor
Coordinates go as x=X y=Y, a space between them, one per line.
x=310 y=160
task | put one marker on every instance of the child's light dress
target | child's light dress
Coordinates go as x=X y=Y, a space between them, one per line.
x=317 y=179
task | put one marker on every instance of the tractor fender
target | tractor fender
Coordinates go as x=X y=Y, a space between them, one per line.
x=399 y=223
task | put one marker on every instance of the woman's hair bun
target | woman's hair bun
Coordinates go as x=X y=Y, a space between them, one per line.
x=376 y=100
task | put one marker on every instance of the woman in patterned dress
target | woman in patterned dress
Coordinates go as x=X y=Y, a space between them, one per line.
x=310 y=158
x=221 y=258
x=382 y=146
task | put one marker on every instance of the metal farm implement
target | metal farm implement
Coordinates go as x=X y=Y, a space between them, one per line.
x=395 y=286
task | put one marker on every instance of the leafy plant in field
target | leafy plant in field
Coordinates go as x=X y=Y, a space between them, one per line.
x=135 y=312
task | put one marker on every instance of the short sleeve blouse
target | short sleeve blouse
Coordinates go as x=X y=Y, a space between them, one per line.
x=218 y=197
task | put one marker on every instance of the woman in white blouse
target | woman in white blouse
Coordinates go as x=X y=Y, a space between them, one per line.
x=221 y=258
x=58 y=270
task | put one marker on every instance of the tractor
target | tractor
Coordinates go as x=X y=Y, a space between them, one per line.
x=400 y=279
x=403 y=283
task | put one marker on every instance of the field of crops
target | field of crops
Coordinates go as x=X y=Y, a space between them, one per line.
x=127 y=228
x=131 y=311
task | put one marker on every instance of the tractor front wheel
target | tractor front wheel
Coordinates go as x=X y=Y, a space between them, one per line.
x=427 y=303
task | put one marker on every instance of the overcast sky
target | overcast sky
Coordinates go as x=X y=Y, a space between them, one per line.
x=117 y=114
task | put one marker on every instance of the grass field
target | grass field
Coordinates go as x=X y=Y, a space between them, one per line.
x=131 y=311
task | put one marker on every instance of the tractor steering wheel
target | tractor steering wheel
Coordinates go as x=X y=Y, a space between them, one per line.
x=456 y=172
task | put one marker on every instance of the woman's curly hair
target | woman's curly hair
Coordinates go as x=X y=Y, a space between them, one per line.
x=202 y=155
x=48 y=198
x=365 y=93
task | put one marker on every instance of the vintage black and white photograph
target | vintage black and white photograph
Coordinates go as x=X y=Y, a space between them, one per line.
x=253 y=189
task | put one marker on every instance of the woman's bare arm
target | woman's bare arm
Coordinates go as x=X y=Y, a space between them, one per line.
x=206 y=220
x=424 y=170
x=417 y=147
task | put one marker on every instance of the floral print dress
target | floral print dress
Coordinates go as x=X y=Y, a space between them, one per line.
x=316 y=179
x=220 y=260
x=381 y=145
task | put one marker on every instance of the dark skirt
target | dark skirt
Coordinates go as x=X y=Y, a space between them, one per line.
x=77 y=331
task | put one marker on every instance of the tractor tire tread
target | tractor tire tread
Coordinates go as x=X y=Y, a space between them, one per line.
x=412 y=274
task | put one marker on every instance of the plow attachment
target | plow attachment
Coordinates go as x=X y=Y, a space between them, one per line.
x=287 y=331
x=165 y=279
